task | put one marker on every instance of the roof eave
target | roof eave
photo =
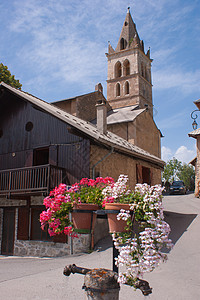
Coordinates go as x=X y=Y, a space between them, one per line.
x=160 y=163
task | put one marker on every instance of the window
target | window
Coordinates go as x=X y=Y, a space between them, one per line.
x=117 y=89
x=126 y=67
x=118 y=70
x=29 y=126
x=144 y=174
x=126 y=88
x=41 y=156
x=123 y=44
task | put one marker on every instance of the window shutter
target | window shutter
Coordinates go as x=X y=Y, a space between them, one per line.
x=23 y=223
x=139 y=174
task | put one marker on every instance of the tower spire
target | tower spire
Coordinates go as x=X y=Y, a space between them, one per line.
x=129 y=37
x=129 y=70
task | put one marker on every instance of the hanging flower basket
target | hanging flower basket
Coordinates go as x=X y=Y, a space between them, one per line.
x=116 y=225
x=84 y=221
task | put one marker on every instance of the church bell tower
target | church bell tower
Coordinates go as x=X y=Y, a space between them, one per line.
x=129 y=70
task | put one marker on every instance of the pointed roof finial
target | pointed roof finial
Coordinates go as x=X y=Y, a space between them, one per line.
x=128 y=9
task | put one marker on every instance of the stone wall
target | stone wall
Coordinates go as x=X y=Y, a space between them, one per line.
x=116 y=164
x=82 y=244
x=37 y=200
x=147 y=134
x=142 y=132
x=12 y=203
x=1 y=225
x=83 y=106
x=51 y=249
x=140 y=88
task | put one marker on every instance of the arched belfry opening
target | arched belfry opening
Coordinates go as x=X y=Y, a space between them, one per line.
x=126 y=88
x=118 y=70
x=126 y=66
x=117 y=89
x=123 y=44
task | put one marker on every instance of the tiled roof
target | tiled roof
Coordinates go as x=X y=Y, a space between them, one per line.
x=109 y=139
x=123 y=114
x=194 y=133
x=76 y=97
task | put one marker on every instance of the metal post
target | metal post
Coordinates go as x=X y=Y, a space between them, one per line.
x=115 y=255
x=101 y=284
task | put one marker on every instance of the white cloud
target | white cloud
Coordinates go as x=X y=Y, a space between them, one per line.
x=166 y=153
x=186 y=82
x=59 y=43
x=183 y=154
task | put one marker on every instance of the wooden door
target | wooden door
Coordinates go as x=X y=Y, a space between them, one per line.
x=8 y=233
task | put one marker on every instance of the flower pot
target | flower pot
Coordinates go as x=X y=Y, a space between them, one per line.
x=114 y=224
x=84 y=220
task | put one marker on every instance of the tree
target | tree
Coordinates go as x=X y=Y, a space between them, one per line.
x=171 y=170
x=187 y=175
x=175 y=170
x=6 y=77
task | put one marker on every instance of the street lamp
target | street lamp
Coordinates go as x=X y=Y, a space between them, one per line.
x=194 y=117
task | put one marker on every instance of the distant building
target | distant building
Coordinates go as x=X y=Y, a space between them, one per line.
x=196 y=161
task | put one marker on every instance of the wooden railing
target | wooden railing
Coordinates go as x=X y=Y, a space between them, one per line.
x=30 y=180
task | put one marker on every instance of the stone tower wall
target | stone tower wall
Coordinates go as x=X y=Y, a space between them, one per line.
x=140 y=88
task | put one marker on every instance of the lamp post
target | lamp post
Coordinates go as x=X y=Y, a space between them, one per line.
x=194 y=117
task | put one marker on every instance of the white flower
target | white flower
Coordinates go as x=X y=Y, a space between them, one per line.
x=142 y=252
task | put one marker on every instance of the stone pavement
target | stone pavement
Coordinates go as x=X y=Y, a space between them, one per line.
x=179 y=278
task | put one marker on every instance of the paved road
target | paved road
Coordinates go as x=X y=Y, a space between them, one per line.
x=179 y=278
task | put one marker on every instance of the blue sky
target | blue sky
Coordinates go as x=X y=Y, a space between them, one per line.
x=56 y=48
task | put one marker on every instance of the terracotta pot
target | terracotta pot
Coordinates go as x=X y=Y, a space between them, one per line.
x=114 y=224
x=83 y=220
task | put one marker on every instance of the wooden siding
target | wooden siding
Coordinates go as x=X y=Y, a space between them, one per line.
x=66 y=150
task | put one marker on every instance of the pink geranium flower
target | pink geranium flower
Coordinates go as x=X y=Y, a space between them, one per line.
x=60 y=203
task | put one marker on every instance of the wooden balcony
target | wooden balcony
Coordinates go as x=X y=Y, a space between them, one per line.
x=35 y=180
